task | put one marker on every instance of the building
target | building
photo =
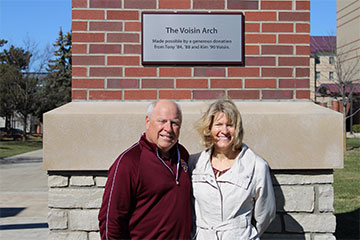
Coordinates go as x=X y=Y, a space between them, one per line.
x=348 y=49
x=322 y=65
x=348 y=32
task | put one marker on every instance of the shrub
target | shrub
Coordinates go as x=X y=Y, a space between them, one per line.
x=356 y=128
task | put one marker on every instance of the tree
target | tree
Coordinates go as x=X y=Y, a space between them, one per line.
x=7 y=106
x=56 y=87
x=17 y=87
x=348 y=79
x=25 y=93
x=39 y=57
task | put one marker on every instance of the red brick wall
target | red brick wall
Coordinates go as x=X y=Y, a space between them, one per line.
x=107 y=53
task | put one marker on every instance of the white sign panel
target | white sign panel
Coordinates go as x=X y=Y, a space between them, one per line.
x=187 y=38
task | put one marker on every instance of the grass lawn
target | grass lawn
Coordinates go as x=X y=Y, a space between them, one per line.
x=10 y=148
x=347 y=193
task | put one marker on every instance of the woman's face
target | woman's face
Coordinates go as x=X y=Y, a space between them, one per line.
x=222 y=132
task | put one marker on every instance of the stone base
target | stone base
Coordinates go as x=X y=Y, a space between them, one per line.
x=304 y=203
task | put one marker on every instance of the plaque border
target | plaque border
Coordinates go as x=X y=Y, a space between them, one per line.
x=241 y=61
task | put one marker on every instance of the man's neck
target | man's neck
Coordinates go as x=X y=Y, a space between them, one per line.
x=162 y=153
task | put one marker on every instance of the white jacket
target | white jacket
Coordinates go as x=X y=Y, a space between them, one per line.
x=223 y=208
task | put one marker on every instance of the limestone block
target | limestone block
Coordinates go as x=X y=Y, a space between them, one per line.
x=295 y=198
x=275 y=226
x=324 y=237
x=82 y=181
x=286 y=236
x=94 y=236
x=326 y=198
x=68 y=235
x=83 y=220
x=58 y=181
x=100 y=181
x=75 y=198
x=301 y=222
x=292 y=179
x=293 y=135
x=57 y=219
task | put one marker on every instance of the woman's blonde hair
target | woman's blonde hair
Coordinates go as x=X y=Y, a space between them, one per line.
x=233 y=115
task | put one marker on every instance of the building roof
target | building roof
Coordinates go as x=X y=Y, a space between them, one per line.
x=322 y=44
x=333 y=89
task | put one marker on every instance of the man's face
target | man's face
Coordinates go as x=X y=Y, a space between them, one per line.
x=163 y=126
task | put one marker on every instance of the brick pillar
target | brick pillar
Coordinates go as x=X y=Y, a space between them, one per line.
x=107 y=53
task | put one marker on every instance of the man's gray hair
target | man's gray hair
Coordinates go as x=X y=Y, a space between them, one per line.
x=152 y=105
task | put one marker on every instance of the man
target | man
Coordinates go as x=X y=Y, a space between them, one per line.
x=147 y=194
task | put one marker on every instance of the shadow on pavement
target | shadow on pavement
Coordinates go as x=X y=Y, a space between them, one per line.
x=347 y=225
x=19 y=160
x=10 y=212
x=23 y=226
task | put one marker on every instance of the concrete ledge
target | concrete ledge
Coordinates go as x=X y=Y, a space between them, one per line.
x=288 y=135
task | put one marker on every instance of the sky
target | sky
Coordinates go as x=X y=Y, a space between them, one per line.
x=322 y=17
x=40 y=20
x=37 y=20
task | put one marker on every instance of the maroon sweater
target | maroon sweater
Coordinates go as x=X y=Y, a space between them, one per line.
x=142 y=199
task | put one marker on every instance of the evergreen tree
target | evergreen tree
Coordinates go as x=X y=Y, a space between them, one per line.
x=56 y=87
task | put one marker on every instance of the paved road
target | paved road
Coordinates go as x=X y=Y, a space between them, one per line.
x=23 y=197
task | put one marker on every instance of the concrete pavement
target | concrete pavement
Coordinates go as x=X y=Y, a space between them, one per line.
x=23 y=197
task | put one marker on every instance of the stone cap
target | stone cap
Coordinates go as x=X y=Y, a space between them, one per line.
x=288 y=135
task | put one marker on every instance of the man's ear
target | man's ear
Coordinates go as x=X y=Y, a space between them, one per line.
x=147 y=122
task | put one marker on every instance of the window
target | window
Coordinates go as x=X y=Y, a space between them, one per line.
x=317 y=60
x=331 y=60
x=317 y=75
x=331 y=76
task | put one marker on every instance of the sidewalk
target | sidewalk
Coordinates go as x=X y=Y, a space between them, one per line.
x=23 y=197
x=354 y=135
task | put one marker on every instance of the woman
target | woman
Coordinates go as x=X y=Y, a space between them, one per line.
x=232 y=196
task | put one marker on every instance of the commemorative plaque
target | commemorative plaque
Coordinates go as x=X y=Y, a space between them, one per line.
x=192 y=38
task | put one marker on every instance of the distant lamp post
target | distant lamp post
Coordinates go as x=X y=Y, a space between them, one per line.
x=316 y=61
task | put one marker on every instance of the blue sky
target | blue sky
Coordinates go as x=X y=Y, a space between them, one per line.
x=322 y=17
x=37 y=20
x=40 y=20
